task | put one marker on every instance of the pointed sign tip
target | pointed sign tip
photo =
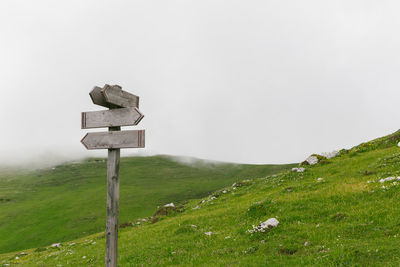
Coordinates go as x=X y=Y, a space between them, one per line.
x=83 y=142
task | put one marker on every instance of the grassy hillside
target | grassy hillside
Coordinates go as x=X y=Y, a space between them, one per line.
x=347 y=218
x=69 y=201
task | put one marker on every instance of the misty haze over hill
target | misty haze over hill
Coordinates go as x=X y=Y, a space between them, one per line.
x=251 y=82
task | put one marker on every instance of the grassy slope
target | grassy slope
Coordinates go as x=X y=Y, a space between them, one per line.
x=55 y=205
x=348 y=219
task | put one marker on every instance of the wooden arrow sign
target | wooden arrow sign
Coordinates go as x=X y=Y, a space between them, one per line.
x=114 y=95
x=123 y=112
x=111 y=118
x=98 y=98
x=114 y=139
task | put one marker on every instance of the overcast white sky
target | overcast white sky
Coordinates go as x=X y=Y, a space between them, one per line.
x=242 y=81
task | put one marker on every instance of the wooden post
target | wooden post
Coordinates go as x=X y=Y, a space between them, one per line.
x=112 y=204
x=123 y=111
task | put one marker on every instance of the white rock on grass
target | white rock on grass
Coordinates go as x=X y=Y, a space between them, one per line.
x=298 y=169
x=170 y=205
x=208 y=233
x=56 y=245
x=272 y=222
x=330 y=155
x=320 y=179
x=263 y=226
x=388 y=179
x=312 y=160
x=398 y=144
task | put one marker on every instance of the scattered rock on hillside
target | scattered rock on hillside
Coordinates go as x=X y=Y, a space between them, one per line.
x=167 y=209
x=208 y=233
x=389 y=179
x=320 y=179
x=242 y=183
x=21 y=254
x=312 y=160
x=330 y=155
x=298 y=169
x=56 y=245
x=272 y=222
x=264 y=226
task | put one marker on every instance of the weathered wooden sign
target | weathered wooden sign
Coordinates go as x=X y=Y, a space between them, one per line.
x=116 y=96
x=111 y=118
x=113 y=97
x=123 y=112
x=98 y=98
x=116 y=139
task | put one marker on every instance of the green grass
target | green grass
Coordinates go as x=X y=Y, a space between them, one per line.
x=41 y=207
x=347 y=219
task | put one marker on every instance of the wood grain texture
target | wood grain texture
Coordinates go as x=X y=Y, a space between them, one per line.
x=116 y=96
x=123 y=139
x=111 y=118
x=112 y=205
x=98 y=98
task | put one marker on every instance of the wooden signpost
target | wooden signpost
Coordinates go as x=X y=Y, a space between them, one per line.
x=123 y=112
x=111 y=118
x=116 y=96
x=114 y=140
